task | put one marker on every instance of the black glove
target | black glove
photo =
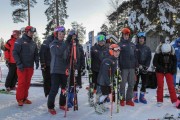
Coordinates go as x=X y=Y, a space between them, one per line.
x=7 y=63
x=20 y=67
x=37 y=66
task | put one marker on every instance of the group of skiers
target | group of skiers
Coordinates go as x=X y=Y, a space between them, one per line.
x=63 y=63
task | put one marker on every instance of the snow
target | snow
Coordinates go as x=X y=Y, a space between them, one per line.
x=9 y=110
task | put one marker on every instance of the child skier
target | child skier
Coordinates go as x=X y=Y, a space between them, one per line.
x=107 y=70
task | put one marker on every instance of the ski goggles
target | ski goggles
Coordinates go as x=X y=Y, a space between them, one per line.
x=59 y=29
x=33 y=29
x=101 y=38
x=116 y=49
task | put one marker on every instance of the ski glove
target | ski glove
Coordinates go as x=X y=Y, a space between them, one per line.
x=37 y=66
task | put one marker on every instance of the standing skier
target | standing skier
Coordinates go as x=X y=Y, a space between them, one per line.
x=25 y=54
x=144 y=59
x=98 y=53
x=128 y=63
x=78 y=66
x=165 y=63
x=106 y=73
x=11 y=78
x=45 y=59
x=58 y=67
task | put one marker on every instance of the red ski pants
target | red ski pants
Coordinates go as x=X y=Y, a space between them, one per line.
x=170 y=84
x=24 y=80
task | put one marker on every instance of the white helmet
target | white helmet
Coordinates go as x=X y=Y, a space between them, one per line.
x=166 y=48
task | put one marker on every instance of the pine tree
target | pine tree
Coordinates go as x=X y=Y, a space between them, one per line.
x=20 y=14
x=51 y=14
x=80 y=29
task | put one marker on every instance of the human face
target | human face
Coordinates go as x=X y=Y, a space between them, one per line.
x=61 y=35
x=101 y=43
x=126 y=36
x=116 y=52
x=30 y=34
x=73 y=37
x=16 y=36
x=141 y=40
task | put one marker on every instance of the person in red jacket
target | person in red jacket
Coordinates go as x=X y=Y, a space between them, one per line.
x=11 y=78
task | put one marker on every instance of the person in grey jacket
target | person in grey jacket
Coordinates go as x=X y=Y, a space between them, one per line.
x=128 y=62
x=58 y=67
x=106 y=73
x=25 y=54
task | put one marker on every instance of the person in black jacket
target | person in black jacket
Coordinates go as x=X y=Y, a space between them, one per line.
x=25 y=54
x=106 y=73
x=98 y=53
x=165 y=62
x=45 y=59
x=144 y=59
x=58 y=68
x=79 y=66
x=128 y=63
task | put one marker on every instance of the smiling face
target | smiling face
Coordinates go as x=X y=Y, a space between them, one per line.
x=61 y=35
x=126 y=36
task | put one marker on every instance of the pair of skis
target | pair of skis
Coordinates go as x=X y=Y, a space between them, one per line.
x=73 y=62
x=115 y=88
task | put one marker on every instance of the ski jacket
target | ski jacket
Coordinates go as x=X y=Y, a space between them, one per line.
x=104 y=73
x=8 y=52
x=143 y=55
x=79 y=54
x=58 y=61
x=128 y=55
x=98 y=53
x=165 y=63
x=25 y=52
x=44 y=53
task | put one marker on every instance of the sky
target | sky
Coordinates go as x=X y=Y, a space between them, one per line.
x=91 y=13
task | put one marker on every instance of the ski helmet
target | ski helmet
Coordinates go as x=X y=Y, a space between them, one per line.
x=165 y=48
x=101 y=38
x=73 y=32
x=59 y=29
x=102 y=33
x=113 y=47
x=16 y=32
x=141 y=34
x=30 y=28
x=126 y=31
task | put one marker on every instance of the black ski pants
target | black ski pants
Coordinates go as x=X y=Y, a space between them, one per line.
x=46 y=80
x=143 y=79
x=11 y=78
x=57 y=80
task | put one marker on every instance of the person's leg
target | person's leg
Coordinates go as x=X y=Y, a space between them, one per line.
x=160 y=84
x=29 y=73
x=143 y=89
x=123 y=83
x=20 y=92
x=47 y=80
x=10 y=77
x=171 y=88
x=55 y=83
x=131 y=82
x=62 y=99
x=135 y=99
x=14 y=76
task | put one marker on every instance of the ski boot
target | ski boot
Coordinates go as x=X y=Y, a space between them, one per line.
x=142 y=99
x=52 y=111
x=99 y=108
x=135 y=99
x=159 y=104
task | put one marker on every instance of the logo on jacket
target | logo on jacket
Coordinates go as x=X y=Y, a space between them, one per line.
x=25 y=42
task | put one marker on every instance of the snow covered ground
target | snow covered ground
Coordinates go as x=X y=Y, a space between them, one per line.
x=9 y=110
